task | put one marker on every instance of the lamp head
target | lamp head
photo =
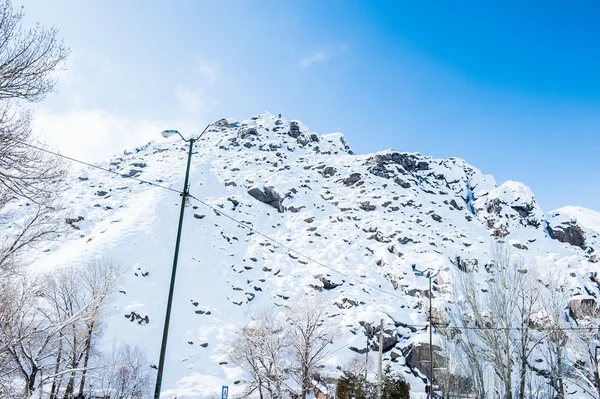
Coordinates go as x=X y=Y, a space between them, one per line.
x=169 y=133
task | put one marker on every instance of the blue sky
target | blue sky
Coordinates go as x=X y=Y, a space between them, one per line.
x=512 y=88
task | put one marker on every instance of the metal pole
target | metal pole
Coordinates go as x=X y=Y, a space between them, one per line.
x=367 y=354
x=379 y=384
x=163 y=347
x=430 y=344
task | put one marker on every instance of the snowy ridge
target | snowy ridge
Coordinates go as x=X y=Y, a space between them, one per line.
x=372 y=217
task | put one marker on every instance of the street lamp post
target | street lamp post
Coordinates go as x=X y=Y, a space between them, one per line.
x=184 y=195
x=430 y=276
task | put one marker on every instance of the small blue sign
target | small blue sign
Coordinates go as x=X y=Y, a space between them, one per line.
x=224 y=392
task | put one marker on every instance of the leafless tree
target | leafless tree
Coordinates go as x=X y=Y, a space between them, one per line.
x=585 y=372
x=495 y=322
x=309 y=338
x=554 y=296
x=261 y=351
x=125 y=374
x=28 y=59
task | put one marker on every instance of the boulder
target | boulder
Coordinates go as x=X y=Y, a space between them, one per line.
x=329 y=171
x=268 y=196
x=568 y=232
x=352 y=179
x=327 y=284
x=366 y=206
x=409 y=163
x=245 y=132
x=294 y=130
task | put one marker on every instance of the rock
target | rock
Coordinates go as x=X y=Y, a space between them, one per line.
x=352 y=179
x=408 y=162
x=139 y=164
x=302 y=140
x=327 y=284
x=366 y=206
x=234 y=202
x=131 y=173
x=456 y=206
x=230 y=183
x=73 y=220
x=436 y=217
x=82 y=178
x=401 y=183
x=246 y=132
x=197 y=216
x=417 y=356
x=101 y=193
x=294 y=129
x=584 y=307
x=568 y=232
x=328 y=171
x=390 y=339
x=268 y=196
x=520 y=246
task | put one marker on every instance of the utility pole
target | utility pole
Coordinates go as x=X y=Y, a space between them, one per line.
x=165 y=337
x=368 y=328
x=184 y=196
x=379 y=382
x=430 y=341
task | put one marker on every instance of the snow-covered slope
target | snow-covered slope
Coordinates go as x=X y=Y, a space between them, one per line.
x=372 y=217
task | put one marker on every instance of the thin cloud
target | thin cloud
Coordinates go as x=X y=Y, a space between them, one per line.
x=209 y=70
x=322 y=55
x=316 y=57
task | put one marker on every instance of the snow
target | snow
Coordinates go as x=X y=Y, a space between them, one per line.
x=585 y=217
x=231 y=272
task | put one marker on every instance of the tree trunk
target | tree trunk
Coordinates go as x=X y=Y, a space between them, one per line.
x=31 y=380
x=54 y=389
x=559 y=366
x=88 y=346
x=71 y=384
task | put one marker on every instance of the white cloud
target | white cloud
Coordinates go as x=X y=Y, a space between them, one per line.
x=317 y=56
x=324 y=54
x=96 y=135
x=209 y=70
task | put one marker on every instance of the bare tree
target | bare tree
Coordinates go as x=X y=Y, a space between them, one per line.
x=261 y=351
x=125 y=374
x=585 y=372
x=27 y=60
x=309 y=338
x=554 y=296
x=495 y=322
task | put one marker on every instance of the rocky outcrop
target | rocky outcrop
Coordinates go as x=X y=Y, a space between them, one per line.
x=568 y=232
x=245 y=132
x=408 y=162
x=269 y=196
x=352 y=179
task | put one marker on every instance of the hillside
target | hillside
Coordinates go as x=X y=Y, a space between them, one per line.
x=353 y=227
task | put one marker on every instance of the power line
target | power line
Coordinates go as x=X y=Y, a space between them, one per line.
x=346 y=345
x=294 y=250
x=239 y=223
x=96 y=166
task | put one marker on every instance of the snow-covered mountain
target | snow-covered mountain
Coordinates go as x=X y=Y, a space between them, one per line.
x=374 y=218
